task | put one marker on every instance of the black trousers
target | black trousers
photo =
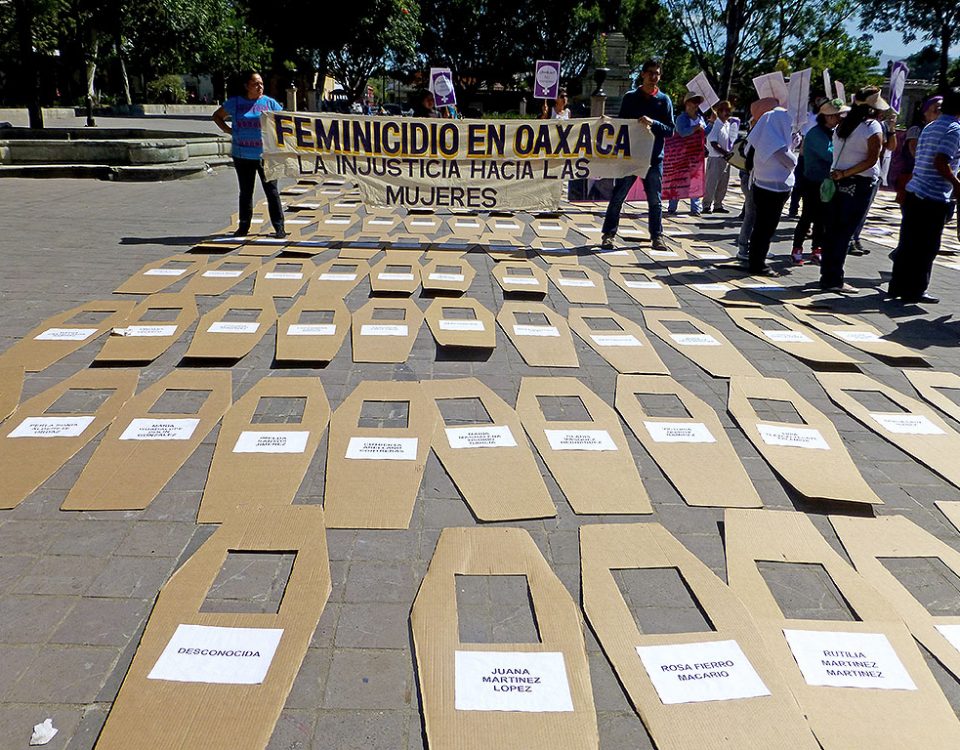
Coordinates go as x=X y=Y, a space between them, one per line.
x=842 y=215
x=920 y=230
x=247 y=171
x=811 y=214
x=769 y=206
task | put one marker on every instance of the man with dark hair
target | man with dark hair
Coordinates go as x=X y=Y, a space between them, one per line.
x=654 y=110
x=926 y=206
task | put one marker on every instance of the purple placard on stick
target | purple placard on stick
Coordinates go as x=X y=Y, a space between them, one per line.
x=546 y=79
x=441 y=85
x=898 y=78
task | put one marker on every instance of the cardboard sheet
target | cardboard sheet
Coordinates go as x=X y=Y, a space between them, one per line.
x=218 y=245
x=337 y=225
x=395 y=275
x=463 y=710
x=158 y=275
x=143 y=448
x=382 y=224
x=462 y=322
x=712 y=285
x=551 y=227
x=618 y=258
x=674 y=254
x=930 y=384
x=951 y=510
x=57 y=337
x=580 y=285
x=790 y=337
x=506 y=251
x=219 y=338
x=861 y=684
x=222 y=705
x=478 y=454
x=152 y=327
x=448 y=246
x=384 y=330
x=715 y=689
x=698 y=250
x=645 y=288
x=447 y=275
x=425 y=225
x=590 y=458
x=520 y=277
x=705 y=346
x=466 y=226
x=336 y=278
x=308 y=248
x=374 y=472
x=264 y=247
x=221 y=276
x=11 y=384
x=917 y=430
x=556 y=252
x=39 y=439
x=361 y=247
x=855 y=332
x=589 y=227
x=546 y=343
x=679 y=443
x=810 y=457
x=312 y=330
x=259 y=461
x=617 y=339
x=283 y=277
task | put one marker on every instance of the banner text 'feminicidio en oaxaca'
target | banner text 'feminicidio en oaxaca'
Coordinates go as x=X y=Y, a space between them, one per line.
x=471 y=164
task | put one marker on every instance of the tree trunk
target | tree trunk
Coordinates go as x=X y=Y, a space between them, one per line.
x=92 y=65
x=30 y=73
x=733 y=21
x=946 y=37
x=124 y=78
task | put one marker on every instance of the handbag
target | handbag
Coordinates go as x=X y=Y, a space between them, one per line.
x=739 y=158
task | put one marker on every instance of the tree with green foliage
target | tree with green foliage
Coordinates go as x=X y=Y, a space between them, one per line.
x=849 y=59
x=651 y=31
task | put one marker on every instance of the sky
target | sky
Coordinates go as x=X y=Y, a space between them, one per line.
x=891 y=43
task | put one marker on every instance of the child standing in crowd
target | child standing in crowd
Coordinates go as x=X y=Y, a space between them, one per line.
x=689 y=122
x=719 y=146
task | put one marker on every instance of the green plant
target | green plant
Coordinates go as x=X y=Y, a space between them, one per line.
x=167 y=89
x=600 y=50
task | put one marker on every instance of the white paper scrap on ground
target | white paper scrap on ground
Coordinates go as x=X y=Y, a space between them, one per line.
x=275 y=441
x=795 y=437
x=160 y=429
x=451 y=324
x=679 y=432
x=615 y=339
x=511 y=681
x=225 y=656
x=383 y=330
x=700 y=672
x=528 y=330
x=906 y=424
x=856 y=660
x=43 y=733
x=311 y=329
x=694 y=339
x=226 y=326
x=44 y=427
x=494 y=436
x=382 y=449
x=580 y=440
x=66 y=334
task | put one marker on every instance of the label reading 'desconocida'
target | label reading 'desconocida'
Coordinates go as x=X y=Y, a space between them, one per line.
x=453 y=324
x=580 y=440
x=511 y=681
x=43 y=427
x=788 y=337
x=225 y=656
x=160 y=429
x=792 y=437
x=146 y=331
x=371 y=329
x=643 y=284
x=851 y=660
x=382 y=448
x=276 y=441
x=493 y=436
x=521 y=280
x=862 y=337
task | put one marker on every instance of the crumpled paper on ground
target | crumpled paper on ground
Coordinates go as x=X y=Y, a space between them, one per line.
x=43 y=733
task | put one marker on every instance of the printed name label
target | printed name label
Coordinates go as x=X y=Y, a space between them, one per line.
x=644 y=284
x=576 y=282
x=615 y=339
x=222 y=274
x=855 y=660
x=225 y=656
x=711 y=256
x=858 y=336
x=788 y=337
x=43 y=427
x=511 y=681
x=663 y=253
x=793 y=437
x=524 y=280
x=446 y=277
x=907 y=424
x=383 y=330
x=495 y=436
x=383 y=449
x=679 y=432
x=338 y=277
x=311 y=329
x=224 y=326
x=293 y=441
x=66 y=334
x=160 y=429
x=715 y=287
x=382 y=222
x=694 y=339
x=337 y=221
x=471 y=224
x=165 y=272
x=148 y=331
x=580 y=440
x=283 y=275
x=395 y=276
x=528 y=330
x=423 y=223
x=448 y=324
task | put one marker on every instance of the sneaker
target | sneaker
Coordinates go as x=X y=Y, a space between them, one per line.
x=242 y=231
x=857 y=249
x=606 y=241
x=281 y=233
x=721 y=210
x=658 y=243
x=797 y=256
x=707 y=210
x=815 y=255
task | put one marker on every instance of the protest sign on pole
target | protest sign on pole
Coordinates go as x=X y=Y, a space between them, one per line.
x=441 y=86
x=700 y=85
x=546 y=79
x=772 y=85
x=798 y=92
x=827 y=85
x=898 y=79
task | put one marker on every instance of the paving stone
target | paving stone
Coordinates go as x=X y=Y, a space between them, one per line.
x=64 y=674
x=132 y=577
x=361 y=730
x=156 y=539
x=17 y=722
x=373 y=625
x=369 y=679
x=32 y=619
x=103 y=622
x=60 y=575
x=293 y=731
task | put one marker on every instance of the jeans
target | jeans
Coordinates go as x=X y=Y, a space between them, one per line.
x=768 y=205
x=920 y=231
x=863 y=220
x=247 y=171
x=811 y=215
x=695 y=205
x=652 y=186
x=842 y=216
x=749 y=217
x=716 y=179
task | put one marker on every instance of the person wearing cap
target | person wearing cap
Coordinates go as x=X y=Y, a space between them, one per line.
x=857 y=143
x=689 y=123
x=654 y=110
x=927 y=112
x=757 y=110
x=719 y=147
x=930 y=194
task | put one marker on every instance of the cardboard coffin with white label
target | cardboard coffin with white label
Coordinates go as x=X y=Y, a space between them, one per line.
x=283 y=277
x=336 y=225
x=551 y=227
x=713 y=689
x=41 y=438
x=931 y=384
x=384 y=330
x=423 y=224
x=587 y=453
x=218 y=680
x=160 y=274
x=478 y=696
x=580 y=285
x=144 y=448
x=520 y=277
x=861 y=682
x=453 y=276
x=619 y=258
x=466 y=226
x=336 y=278
x=262 y=461
x=645 y=288
x=461 y=322
x=220 y=277
x=790 y=337
x=545 y=342
x=556 y=252
x=856 y=333
x=361 y=247
x=617 y=339
x=152 y=327
x=11 y=384
x=712 y=285
x=217 y=337
x=395 y=274
x=703 y=344
x=312 y=330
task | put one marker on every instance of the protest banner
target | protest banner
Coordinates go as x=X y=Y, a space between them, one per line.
x=682 y=169
x=898 y=79
x=472 y=164
x=546 y=79
x=441 y=86
x=700 y=85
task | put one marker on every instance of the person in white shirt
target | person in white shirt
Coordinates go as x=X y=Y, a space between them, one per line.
x=719 y=146
x=559 y=110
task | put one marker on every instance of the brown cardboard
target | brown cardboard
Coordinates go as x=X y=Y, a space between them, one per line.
x=679 y=443
x=218 y=244
x=796 y=340
x=11 y=384
x=580 y=285
x=434 y=622
x=675 y=254
x=813 y=471
x=382 y=224
x=771 y=721
x=127 y=474
x=377 y=493
x=621 y=256
x=551 y=227
x=301 y=226
x=218 y=339
x=34 y=454
x=336 y=278
x=157 y=276
x=299 y=341
x=395 y=275
x=840 y=717
x=309 y=248
x=141 y=338
x=361 y=247
x=708 y=349
x=856 y=333
x=559 y=252
x=264 y=247
x=221 y=276
x=501 y=251
x=263 y=461
x=450 y=327
x=633 y=231
x=283 y=277
x=620 y=341
x=512 y=277
x=506 y=227
x=385 y=339
x=588 y=227
x=699 y=250
x=449 y=246
x=423 y=224
x=406 y=244
x=477 y=462
x=336 y=225
x=466 y=226
x=931 y=442
x=711 y=285
x=542 y=344
x=437 y=277
x=56 y=337
x=224 y=716
x=594 y=479
x=928 y=383
x=645 y=288
x=951 y=510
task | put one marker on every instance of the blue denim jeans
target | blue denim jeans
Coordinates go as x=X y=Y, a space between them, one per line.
x=842 y=217
x=652 y=186
x=696 y=204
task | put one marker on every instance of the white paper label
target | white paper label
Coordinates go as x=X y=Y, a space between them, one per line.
x=792 y=437
x=299 y=222
x=858 y=336
x=951 y=633
x=788 y=337
x=712 y=256
x=511 y=681
x=760 y=285
x=395 y=276
x=382 y=222
x=576 y=282
x=446 y=324
x=679 y=432
x=715 y=287
x=644 y=284
x=580 y=440
x=615 y=339
x=471 y=224
x=855 y=660
x=51 y=427
x=66 y=334
x=149 y=331
x=494 y=436
x=311 y=329
x=383 y=330
x=338 y=277
x=224 y=326
x=527 y=330
x=295 y=191
x=446 y=277
x=906 y=424
x=224 y=656
x=337 y=221
x=283 y=275
x=308 y=206
x=165 y=272
x=278 y=441
x=522 y=280
x=160 y=429
x=505 y=225
x=662 y=253
x=588 y=230
x=382 y=448
x=221 y=274
x=550 y=226
x=423 y=223
x=701 y=672
x=694 y=339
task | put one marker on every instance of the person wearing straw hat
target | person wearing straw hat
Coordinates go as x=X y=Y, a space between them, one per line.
x=689 y=123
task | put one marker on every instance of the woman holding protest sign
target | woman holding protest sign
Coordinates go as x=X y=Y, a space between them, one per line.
x=247 y=149
x=689 y=123
x=559 y=109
